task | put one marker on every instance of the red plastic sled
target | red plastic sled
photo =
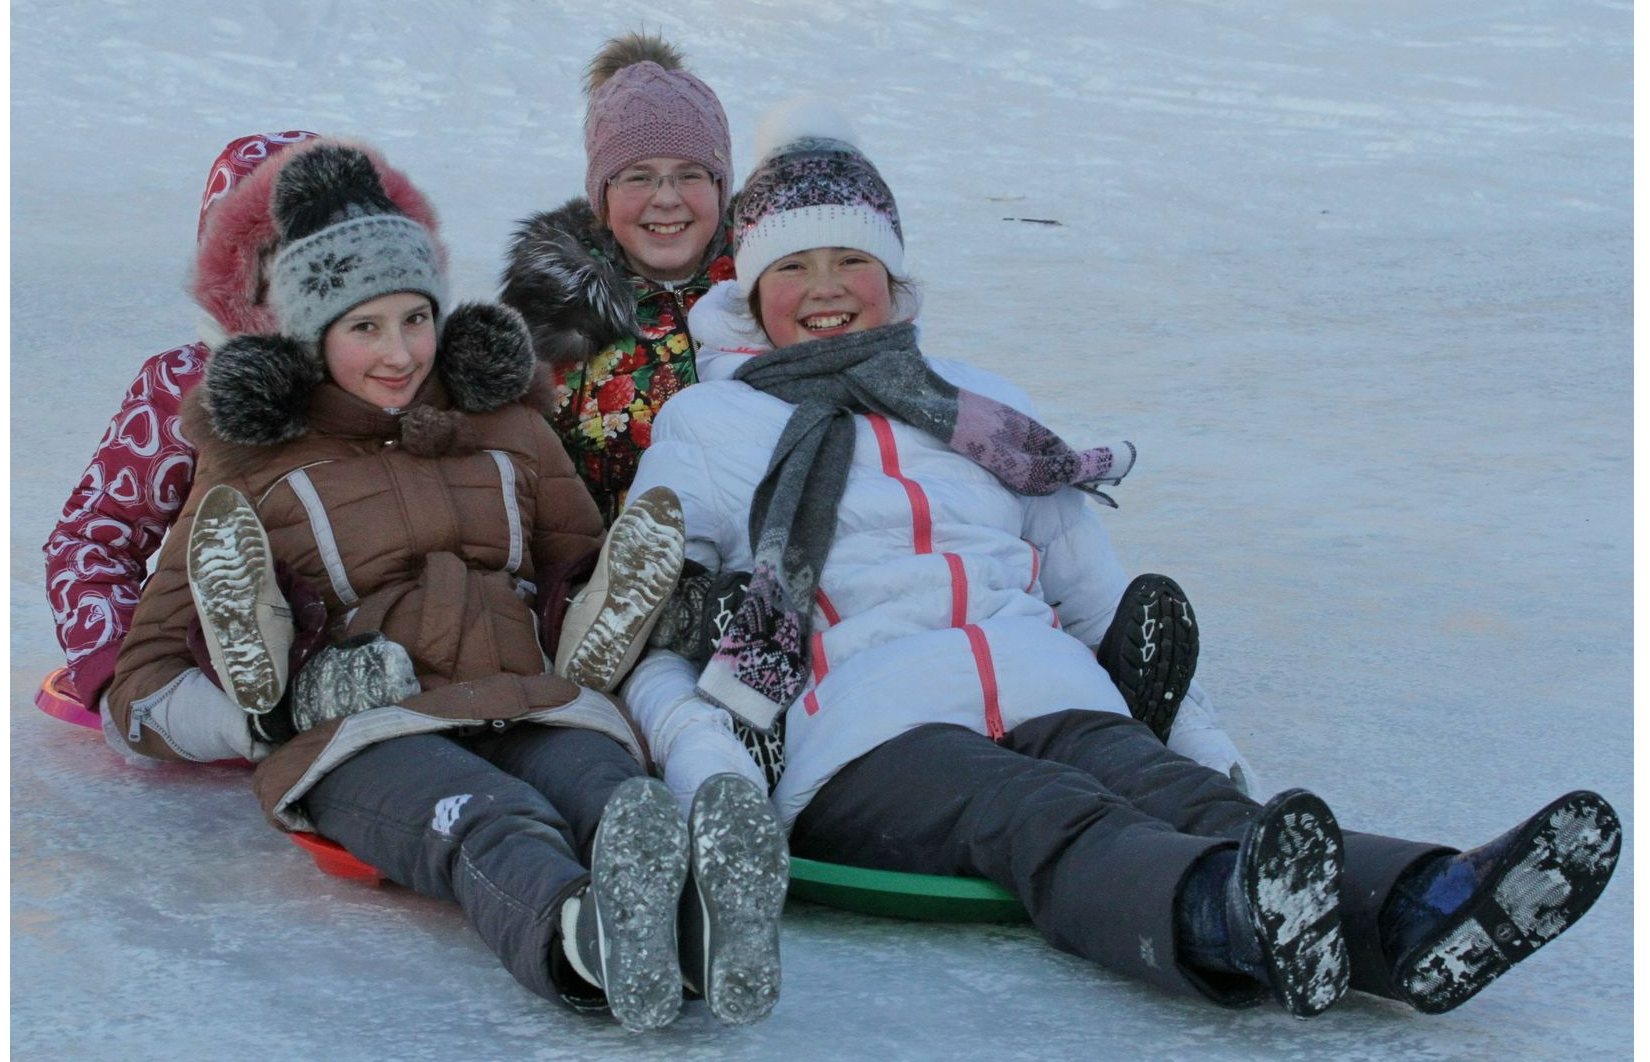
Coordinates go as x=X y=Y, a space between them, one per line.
x=55 y=699
x=333 y=858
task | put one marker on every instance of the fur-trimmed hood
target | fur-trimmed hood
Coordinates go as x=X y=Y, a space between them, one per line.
x=565 y=273
x=239 y=238
x=264 y=390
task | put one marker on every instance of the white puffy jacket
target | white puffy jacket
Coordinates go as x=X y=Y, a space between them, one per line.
x=946 y=597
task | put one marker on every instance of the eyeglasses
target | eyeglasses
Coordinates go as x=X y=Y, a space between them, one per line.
x=639 y=183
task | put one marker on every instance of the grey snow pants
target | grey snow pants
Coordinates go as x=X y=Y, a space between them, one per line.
x=1090 y=821
x=501 y=823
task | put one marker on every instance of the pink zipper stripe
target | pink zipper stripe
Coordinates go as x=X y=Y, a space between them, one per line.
x=810 y=703
x=988 y=680
x=959 y=590
x=922 y=521
x=825 y=606
x=1036 y=565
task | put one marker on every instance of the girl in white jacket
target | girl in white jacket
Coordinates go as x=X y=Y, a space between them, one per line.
x=929 y=587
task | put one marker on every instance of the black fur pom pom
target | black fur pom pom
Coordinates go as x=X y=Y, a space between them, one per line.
x=486 y=357
x=257 y=389
x=324 y=185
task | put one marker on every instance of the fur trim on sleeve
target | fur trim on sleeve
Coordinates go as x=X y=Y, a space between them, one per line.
x=486 y=357
x=575 y=303
x=257 y=389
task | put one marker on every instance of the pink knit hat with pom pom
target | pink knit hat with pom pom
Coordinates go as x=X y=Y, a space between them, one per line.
x=644 y=105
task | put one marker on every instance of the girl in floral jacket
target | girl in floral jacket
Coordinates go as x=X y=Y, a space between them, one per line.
x=606 y=281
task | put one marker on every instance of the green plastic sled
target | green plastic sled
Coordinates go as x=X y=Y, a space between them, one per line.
x=894 y=894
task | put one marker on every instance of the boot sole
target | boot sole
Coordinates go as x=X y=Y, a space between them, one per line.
x=741 y=868
x=1159 y=652
x=1555 y=869
x=231 y=574
x=645 y=545
x=1291 y=870
x=638 y=865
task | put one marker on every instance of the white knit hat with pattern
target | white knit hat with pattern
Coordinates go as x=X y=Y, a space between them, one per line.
x=812 y=188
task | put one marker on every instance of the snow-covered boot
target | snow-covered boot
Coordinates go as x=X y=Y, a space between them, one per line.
x=363 y=672
x=1456 y=923
x=1271 y=910
x=700 y=611
x=1150 y=650
x=1286 y=891
x=626 y=933
x=730 y=923
x=608 y=622
x=246 y=623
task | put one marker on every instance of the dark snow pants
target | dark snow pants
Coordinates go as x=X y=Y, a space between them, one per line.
x=1089 y=821
x=501 y=823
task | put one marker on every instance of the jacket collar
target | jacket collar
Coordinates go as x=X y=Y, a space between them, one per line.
x=334 y=411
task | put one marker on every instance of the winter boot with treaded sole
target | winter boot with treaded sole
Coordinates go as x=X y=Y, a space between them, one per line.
x=1548 y=871
x=609 y=620
x=246 y=621
x=741 y=869
x=638 y=865
x=1150 y=650
x=1286 y=888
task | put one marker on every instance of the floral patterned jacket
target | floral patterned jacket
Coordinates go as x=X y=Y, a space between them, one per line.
x=618 y=343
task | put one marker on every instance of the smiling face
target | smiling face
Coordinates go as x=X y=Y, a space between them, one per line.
x=381 y=350
x=664 y=228
x=828 y=291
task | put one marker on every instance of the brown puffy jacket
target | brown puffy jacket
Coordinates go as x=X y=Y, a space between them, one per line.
x=442 y=519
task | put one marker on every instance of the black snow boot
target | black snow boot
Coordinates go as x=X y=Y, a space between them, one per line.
x=693 y=621
x=730 y=916
x=1456 y=923
x=1150 y=650
x=626 y=934
x=1271 y=910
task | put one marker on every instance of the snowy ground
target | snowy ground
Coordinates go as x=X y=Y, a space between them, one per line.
x=1355 y=277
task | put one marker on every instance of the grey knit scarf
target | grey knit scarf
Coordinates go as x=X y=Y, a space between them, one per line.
x=761 y=665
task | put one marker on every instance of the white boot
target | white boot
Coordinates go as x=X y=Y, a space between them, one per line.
x=607 y=622
x=246 y=620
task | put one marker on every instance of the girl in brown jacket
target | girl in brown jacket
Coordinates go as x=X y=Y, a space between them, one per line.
x=403 y=469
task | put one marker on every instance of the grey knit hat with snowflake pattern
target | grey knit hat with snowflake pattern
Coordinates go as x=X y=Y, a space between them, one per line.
x=344 y=242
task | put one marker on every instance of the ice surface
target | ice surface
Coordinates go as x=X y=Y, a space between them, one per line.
x=1354 y=277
